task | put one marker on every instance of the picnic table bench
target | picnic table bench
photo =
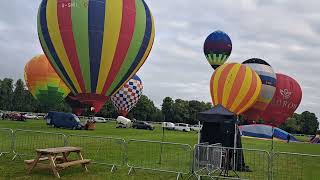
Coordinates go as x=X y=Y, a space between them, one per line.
x=56 y=161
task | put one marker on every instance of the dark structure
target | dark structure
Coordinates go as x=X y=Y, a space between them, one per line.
x=219 y=127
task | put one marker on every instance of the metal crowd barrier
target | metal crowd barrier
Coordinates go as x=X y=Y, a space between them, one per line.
x=207 y=159
x=294 y=166
x=159 y=156
x=102 y=150
x=6 y=140
x=25 y=142
x=215 y=161
x=212 y=161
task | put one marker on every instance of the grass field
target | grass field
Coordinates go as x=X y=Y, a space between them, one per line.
x=286 y=166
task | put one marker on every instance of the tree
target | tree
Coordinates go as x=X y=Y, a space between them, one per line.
x=308 y=122
x=108 y=111
x=30 y=104
x=19 y=96
x=194 y=108
x=6 y=92
x=167 y=109
x=291 y=126
x=180 y=109
x=144 y=110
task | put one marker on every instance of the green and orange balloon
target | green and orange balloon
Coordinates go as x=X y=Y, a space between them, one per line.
x=43 y=82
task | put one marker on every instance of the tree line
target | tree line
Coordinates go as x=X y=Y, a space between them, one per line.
x=15 y=97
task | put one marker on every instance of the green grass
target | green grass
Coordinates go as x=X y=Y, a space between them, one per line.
x=145 y=154
x=303 y=138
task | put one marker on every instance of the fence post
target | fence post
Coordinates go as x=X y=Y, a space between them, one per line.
x=65 y=137
x=270 y=165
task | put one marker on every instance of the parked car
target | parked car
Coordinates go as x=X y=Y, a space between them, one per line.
x=195 y=127
x=168 y=125
x=30 y=116
x=99 y=119
x=142 y=125
x=63 y=120
x=14 y=116
x=41 y=115
x=123 y=122
x=182 y=127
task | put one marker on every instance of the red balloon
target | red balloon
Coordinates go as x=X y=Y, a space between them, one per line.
x=77 y=107
x=285 y=101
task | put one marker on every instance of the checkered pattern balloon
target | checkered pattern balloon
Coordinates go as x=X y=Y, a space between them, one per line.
x=128 y=96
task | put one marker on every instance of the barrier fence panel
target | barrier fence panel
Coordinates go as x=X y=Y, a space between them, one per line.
x=102 y=150
x=226 y=163
x=207 y=159
x=295 y=166
x=159 y=156
x=5 y=141
x=252 y=163
x=25 y=142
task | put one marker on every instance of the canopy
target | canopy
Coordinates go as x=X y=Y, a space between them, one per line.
x=217 y=114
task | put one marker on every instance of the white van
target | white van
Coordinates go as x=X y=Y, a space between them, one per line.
x=182 y=127
x=123 y=122
x=168 y=125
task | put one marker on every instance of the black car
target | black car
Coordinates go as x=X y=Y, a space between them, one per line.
x=142 y=125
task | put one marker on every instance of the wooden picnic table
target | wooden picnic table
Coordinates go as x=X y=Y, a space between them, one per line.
x=56 y=161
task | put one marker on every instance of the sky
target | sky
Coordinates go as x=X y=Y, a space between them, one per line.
x=285 y=33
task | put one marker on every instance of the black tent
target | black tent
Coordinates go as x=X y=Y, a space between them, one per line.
x=219 y=127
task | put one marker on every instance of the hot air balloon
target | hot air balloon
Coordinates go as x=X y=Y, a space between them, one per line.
x=285 y=101
x=235 y=86
x=128 y=96
x=43 y=82
x=268 y=78
x=217 y=48
x=95 y=46
x=77 y=107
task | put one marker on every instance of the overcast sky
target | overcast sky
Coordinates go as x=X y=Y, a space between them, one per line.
x=285 y=33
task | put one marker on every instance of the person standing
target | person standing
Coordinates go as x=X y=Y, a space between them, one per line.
x=288 y=138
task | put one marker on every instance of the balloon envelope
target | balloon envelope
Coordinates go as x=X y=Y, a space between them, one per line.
x=95 y=46
x=268 y=78
x=235 y=86
x=128 y=96
x=43 y=82
x=77 y=107
x=285 y=101
x=217 y=48
x=265 y=131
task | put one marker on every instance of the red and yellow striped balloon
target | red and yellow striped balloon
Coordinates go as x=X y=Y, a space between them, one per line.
x=235 y=86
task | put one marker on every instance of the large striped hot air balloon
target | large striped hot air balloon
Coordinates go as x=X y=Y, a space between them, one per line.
x=95 y=45
x=268 y=78
x=217 y=48
x=235 y=86
x=43 y=82
x=128 y=96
